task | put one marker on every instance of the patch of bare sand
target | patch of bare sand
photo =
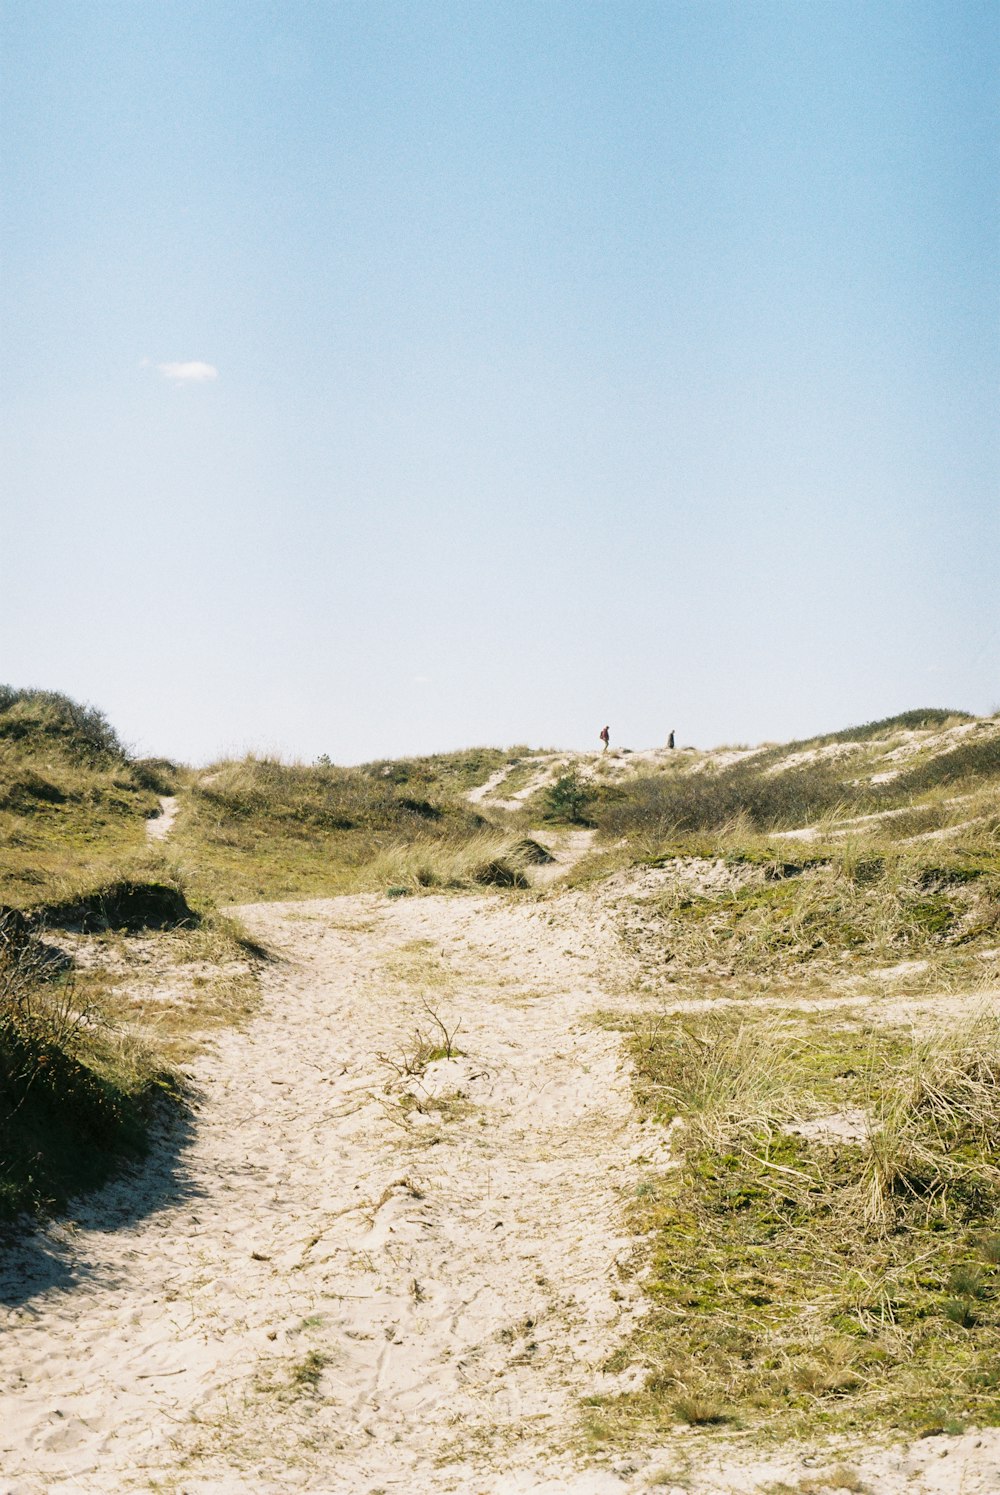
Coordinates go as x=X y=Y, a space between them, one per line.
x=158 y=828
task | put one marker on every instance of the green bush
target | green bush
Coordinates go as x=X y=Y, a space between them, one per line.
x=569 y=798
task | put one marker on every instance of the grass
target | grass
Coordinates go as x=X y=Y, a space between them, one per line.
x=923 y=718
x=85 y=837
x=804 y=1285
x=777 y=789
x=87 y=1052
x=833 y=1278
x=446 y=774
x=73 y=805
x=817 y=914
x=53 y=721
x=659 y=806
x=76 y=1095
x=259 y=829
x=484 y=859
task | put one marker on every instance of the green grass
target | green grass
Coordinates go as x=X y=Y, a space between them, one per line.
x=802 y=1285
x=78 y=1084
x=46 y=719
x=445 y=774
x=73 y=806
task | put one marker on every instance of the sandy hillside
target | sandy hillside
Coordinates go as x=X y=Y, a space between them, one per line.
x=365 y=1268
x=359 y=1279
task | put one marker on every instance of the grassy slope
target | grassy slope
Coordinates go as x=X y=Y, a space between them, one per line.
x=801 y=1283
x=798 y=1283
x=258 y=828
x=77 y=1087
x=73 y=806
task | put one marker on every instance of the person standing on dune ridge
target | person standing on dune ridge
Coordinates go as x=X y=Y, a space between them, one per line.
x=605 y=738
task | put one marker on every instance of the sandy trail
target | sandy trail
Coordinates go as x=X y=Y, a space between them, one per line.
x=566 y=849
x=357 y=1273
x=489 y=786
x=549 y=764
x=160 y=826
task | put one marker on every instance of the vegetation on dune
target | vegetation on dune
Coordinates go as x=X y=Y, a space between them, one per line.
x=973 y=760
x=569 y=798
x=73 y=806
x=659 y=806
x=76 y=1096
x=921 y=719
x=827 y=1250
x=259 y=828
x=445 y=774
x=825 y=1254
x=489 y=859
x=800 y=918
x=45 y=718
x=775 y=790
x=77 y=1085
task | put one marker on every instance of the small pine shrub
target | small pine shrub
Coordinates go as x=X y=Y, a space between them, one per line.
x=569 y=798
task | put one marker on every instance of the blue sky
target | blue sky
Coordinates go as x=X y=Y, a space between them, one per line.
x=383 y=378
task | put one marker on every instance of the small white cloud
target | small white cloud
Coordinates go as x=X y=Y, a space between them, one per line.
x=194 y=372
x=421 y=679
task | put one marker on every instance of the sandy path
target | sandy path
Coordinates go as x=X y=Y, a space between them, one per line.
x=358 y=1274
x=486 y=794
x=566 y=849
x=483 y=791
x=160 y=826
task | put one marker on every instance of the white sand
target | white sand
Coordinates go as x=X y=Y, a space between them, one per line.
x=456 y=1264
x=158 y=828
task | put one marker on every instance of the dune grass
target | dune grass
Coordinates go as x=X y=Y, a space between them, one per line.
x=82 y=1064
x=825 y=1256
x=259 y=828
x=835 y=1280
x=829 y=911
x=73 y=805
x=447 y=775
x=76 y=1094
x=782 y=788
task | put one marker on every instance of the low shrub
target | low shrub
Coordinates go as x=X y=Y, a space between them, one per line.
x=569 y=798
